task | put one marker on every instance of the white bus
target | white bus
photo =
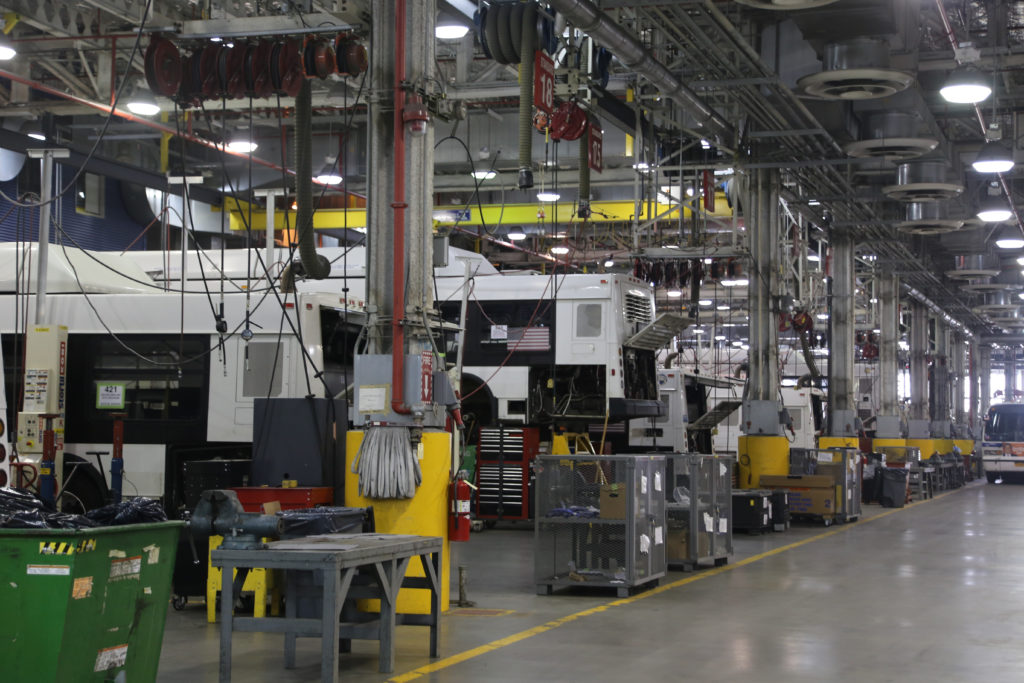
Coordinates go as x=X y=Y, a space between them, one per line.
x=1002 y=442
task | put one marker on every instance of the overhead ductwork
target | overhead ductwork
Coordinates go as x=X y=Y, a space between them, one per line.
x=928 y=218
x=997 y=303
x=924 y=181
x=891 y=135
x=785 y=5
x=1010 y=279
x=856 y=69
x=1009 y=317
x=982 y=285
x=589 y=18
x=973 y=267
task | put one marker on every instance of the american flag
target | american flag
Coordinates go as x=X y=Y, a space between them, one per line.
x=529 y=339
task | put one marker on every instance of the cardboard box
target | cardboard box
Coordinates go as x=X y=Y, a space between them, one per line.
x=613 y=501
x=677 y=544
x=809 y=494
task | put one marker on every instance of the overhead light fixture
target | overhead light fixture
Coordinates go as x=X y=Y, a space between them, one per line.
x=699 y=331
x=483 y=175
x=142 y=101
x=36 y=135
x=609 y=263
x=560 y=250
x=516 y=236
x=873 y=300
x=241 y=143
x=448 y=28
x=328 y=175
x=813 y=257
x=1010 y=237
x=966 y=85
x=641 y=166
x=993 y=157
x=7 y=49
x=822 y=316
x=704 y=144
x=705 y=302
x=739 y=282
x=673 y=293
x=994 y=209
x=737 y=343
x=722 y=307
x=1021 y=295
x=813 y=202
x=543 y=196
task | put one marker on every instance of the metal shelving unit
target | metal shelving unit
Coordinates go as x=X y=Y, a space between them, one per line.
x=699 y=526
x=600 y=521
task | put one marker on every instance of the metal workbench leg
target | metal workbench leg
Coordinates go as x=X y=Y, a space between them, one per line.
x=329 y=624
x=226 y=617
x=432 y=568
x=389 y=575
x=290 y=612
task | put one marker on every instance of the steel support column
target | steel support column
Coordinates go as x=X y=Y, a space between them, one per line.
x=918 y=426
x=1010 y=372
x=940 y=382
x=975 y=390
x=984 y=380
x=841 y=405
x=887 y=424
x=960 y=379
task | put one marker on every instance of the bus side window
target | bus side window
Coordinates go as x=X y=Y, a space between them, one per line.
x=588 y=320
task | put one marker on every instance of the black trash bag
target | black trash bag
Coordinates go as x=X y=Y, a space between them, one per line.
x=133 y=511
x=15 y=500
x=20 y=509
x=327 y=520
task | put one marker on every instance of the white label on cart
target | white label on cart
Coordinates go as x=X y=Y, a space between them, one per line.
x=111 y=658
x=709 y=522
x=49 y=569
x=824 y=456
x=645 y=544
x=128 y=568
x=659 y=536
x=722 y=469
x=462 y=506
x=152 y=554
x=643 y=484
x=657 y=481
x=723 y=525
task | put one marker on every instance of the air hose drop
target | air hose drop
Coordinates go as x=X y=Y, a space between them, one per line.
x=528 y=44
x=315 y=265
x=584 y=161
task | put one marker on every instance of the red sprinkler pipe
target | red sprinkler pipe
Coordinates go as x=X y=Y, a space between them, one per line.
x=398 y=248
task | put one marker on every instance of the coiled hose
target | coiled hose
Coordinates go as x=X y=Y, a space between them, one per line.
x=386 y=464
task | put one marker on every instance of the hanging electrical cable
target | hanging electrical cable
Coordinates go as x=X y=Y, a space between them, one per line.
x=386 y=464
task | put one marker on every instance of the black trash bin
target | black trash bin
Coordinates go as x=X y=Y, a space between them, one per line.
x=893 y=493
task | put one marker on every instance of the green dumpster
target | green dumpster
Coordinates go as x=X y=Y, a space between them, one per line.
x=85 y=605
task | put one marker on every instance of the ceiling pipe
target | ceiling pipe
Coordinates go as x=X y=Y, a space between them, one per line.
x=951 y=37
x=589 y=18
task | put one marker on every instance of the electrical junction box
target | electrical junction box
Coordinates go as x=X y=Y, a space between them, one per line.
x=46 y=352
x=373 y=391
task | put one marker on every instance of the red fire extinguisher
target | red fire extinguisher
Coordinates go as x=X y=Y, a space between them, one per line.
x=460 y=493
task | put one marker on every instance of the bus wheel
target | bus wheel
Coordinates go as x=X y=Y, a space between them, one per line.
x=84 y=487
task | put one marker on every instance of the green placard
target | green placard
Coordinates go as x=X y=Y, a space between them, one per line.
x=110 y=395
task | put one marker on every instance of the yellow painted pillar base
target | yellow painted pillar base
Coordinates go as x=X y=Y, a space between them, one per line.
x=943 y=446
x=927 y=446
x=877 y=444
x=761 y=455
x=425 y=514
x=260 y=582
x=965 y=445
x=838 y=442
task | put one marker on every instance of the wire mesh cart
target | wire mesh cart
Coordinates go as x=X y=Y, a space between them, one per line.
x=699 y=511
x=600 y=521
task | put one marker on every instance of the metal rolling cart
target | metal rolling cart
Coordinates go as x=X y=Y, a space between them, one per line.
x=699 y=511
x=600 y=521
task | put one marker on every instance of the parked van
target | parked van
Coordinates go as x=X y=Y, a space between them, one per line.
x=1002 y=441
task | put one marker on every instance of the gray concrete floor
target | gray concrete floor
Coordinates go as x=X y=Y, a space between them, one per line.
x=933 y=592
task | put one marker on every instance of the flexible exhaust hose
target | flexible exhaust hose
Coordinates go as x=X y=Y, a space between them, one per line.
x=315 y=265
x=527 y=46
x=585 y=167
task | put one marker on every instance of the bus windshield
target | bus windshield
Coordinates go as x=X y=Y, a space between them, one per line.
x=1005 y=423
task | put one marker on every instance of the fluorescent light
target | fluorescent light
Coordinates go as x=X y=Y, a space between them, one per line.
x=7 y=50
x=822 y=316
x=516 y=236
x=994 y=213
x=705 y=302
x=328 y=178
x=560 y=250
x=993 y=157
x=641 y=166
x=722 y=307
x=813 y=257
x=548 y=196
x=739 y=282
x=698 y=331
x=966 y=86
x=36 y=136
x=450 y=31
x=216 y=39
x=813 y=202
x=673 y=294
x=719 y=337
x=1010 y=243
x=704 y=144
x=242 y=144
x=737 y=343
x=724 y=171
x=609 y=263
x=483 y=175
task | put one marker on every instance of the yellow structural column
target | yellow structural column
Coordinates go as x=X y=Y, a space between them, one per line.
x=877 y=444
x=761 y=455
x=928 y=447
x=838 y=442
x=425 y=514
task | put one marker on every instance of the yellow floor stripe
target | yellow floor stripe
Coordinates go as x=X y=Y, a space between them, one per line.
x=703 y=574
